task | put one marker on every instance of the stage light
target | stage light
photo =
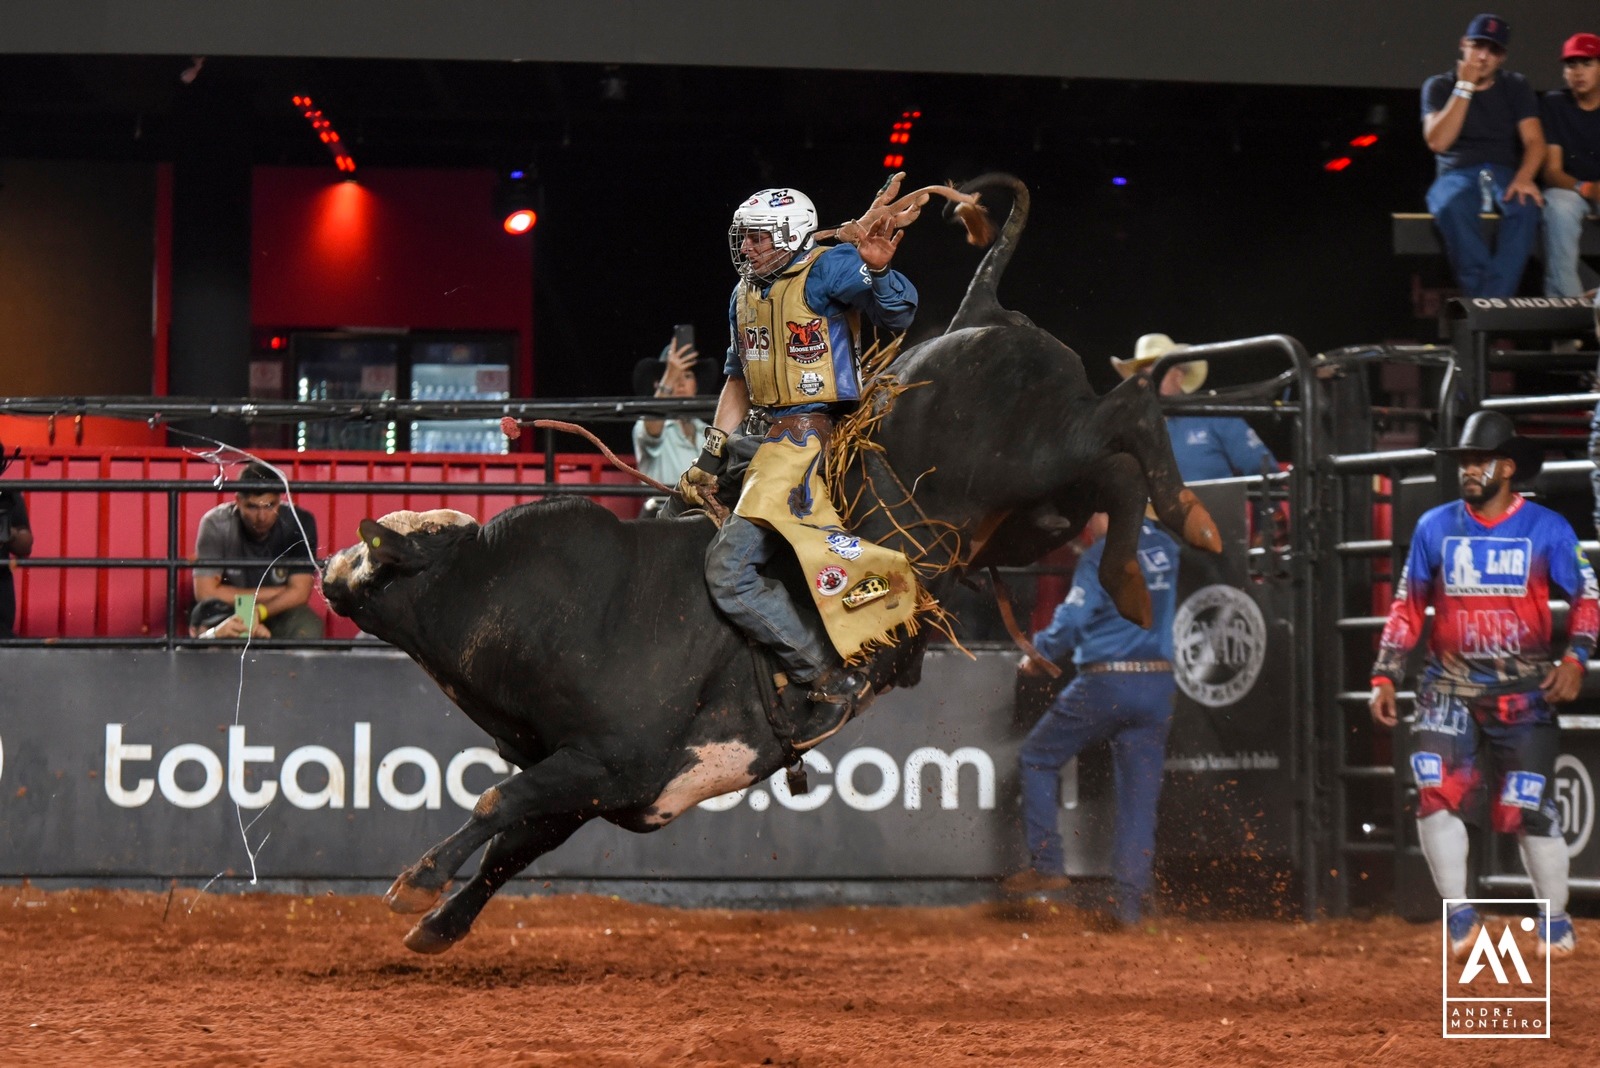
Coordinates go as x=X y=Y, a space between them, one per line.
x=1364 y=141
x=900 y=136
x=520 y=222
x=1119 y=180
x=517 y=200
x=1336 y=165
x=326 y=134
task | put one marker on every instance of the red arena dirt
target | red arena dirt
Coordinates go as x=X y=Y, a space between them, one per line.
x=117 y=977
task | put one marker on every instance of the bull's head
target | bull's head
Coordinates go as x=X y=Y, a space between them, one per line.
x=400 y=544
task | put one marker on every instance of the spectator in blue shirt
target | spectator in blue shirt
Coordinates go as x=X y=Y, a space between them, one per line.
x=1482 y=125
x=1571 y=162
x=1123 y=693
x=1206 y=446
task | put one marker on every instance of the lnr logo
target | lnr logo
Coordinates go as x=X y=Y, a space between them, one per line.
x=1492 y=994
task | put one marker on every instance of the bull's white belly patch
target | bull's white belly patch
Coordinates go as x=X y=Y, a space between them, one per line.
x=719 y=768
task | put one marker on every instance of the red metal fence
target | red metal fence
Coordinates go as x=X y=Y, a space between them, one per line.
x=70 y=602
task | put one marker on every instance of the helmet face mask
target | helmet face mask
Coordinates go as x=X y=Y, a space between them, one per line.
x=787 y=215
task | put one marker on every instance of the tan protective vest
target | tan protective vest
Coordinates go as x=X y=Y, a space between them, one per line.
x=791 y=353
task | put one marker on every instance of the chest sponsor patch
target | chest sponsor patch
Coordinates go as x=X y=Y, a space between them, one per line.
x=810 y=383
x=807 y=341
x=1486 y=567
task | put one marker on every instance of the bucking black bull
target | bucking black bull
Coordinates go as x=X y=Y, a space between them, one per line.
x=588 y=647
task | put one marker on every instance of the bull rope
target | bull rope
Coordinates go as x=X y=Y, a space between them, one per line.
x=511 y=427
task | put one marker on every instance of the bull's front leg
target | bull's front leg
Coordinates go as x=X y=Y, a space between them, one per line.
x=564 y=783
x=507 y=854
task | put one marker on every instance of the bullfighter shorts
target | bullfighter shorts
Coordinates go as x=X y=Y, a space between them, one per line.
x=1496 y=752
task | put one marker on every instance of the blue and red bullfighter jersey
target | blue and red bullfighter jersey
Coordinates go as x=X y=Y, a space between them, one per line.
x=1489 y=584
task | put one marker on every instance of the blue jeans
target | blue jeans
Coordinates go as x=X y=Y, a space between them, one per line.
x=1454 y=199
x=761 y=606
x=1564 y=211
x=1133 y=710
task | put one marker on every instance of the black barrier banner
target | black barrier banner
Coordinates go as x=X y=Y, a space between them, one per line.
x=350 y=765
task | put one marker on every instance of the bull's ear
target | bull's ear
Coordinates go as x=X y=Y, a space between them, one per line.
x=388 y=546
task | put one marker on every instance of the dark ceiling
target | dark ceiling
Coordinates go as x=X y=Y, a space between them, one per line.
x=455 y=114
x=1228 y=225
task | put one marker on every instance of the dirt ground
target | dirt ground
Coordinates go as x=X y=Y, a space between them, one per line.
x=117 y=977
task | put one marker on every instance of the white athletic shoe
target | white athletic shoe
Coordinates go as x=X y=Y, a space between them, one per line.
x=1557 y=939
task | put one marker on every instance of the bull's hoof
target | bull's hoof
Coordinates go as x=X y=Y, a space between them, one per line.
x=1199 y=529
x=408 y=899
x=1132 y=596
x=422 y=940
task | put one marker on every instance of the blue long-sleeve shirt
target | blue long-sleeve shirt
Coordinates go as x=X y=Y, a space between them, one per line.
x=1088 y=623
x=1209 y=446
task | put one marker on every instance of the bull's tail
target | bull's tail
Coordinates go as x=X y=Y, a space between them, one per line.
x=981 y=305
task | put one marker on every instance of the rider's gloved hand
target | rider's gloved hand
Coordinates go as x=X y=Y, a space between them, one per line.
x=698 y=485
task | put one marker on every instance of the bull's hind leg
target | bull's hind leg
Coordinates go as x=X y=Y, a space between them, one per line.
x=565 y=782
x=1119 y=491
x=1129 y=417
x=508 y=853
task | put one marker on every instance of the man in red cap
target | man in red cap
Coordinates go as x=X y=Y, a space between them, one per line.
x=1482 y=124
x=1571 y=162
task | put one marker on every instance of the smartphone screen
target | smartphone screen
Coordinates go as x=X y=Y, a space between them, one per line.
x=244 y=606
x=683 y=335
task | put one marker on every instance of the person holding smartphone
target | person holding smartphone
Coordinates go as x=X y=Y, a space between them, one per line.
x=257 y=525
x=16 y=539
x=663 y=449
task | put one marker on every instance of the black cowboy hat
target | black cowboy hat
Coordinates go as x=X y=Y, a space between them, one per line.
x=1494 y=433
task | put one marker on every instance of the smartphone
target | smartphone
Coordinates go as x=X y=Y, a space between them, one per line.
x=683 y=335
x=244 y=606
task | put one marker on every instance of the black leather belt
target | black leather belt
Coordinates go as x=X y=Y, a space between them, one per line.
x=1103 y=667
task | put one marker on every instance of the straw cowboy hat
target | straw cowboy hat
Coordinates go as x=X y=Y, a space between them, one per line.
x=1151 y=348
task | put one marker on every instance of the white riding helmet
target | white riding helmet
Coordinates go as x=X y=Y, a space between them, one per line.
x=787 y=214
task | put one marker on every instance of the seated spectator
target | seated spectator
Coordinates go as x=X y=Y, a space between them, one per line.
x=16 y=539
x=1482 y=124
x=256 y=526
x=1207 y=446
x=666 y=448
x=214 y=619
x=1571 y=162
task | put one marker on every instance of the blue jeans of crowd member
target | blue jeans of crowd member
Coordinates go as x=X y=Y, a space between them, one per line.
x=1564 y=212
x=759 y=605
x=1133 y=710
x=1455 y=199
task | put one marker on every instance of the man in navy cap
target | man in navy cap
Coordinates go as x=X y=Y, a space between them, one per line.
x=1571 y=162
x=1482 y=123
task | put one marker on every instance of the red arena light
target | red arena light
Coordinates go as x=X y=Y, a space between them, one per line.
x=1364 y=141
x=1337 y=165
x=520 y=221
x=899 y=137
x=326 y=134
